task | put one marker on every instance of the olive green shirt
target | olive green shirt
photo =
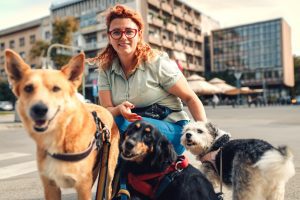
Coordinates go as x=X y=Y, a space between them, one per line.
x=149 y=84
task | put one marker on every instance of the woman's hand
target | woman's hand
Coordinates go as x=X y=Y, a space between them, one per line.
x=125 y=110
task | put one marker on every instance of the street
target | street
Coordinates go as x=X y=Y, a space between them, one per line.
x=278 y=125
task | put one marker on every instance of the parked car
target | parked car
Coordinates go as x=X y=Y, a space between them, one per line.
x=296 y=100
x=6 y=106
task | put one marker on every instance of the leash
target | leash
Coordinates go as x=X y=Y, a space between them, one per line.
x=220 y=194
x=104 y=134
x=164 y=178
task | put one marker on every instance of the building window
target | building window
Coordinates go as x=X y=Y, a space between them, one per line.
x=2 y=60
x=22 y=54
x=12 y=44
x=2 y=46
x=47 y=35
x=22 y=42
x=32 y=39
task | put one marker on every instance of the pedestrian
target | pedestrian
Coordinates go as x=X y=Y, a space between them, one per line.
x=215 y=100
x=137 y=82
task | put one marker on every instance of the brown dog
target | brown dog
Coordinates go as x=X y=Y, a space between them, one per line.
x=60 y=124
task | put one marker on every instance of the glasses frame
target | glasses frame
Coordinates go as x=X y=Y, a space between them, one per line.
x=123 y=33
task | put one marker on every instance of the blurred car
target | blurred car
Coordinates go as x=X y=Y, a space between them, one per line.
x=6 y=106
x=296 y=100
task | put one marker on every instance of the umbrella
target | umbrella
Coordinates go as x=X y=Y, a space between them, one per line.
x=223 y=86
x=200 y=86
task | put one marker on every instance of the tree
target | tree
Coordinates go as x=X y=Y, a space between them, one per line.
x=6 y=93
x=62 y=33
x=296 y=89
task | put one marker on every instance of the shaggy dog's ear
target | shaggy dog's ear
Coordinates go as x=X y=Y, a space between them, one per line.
x=164 y=153
x=212 y=129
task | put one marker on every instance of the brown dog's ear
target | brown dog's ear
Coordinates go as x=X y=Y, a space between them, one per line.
x=15 y=67
x=74 y=69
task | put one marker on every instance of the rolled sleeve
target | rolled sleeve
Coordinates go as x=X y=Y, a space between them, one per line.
x=169 y=72
x=103 y=82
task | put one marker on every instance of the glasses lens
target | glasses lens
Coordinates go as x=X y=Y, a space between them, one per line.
x=130 y=33
x=116 y=34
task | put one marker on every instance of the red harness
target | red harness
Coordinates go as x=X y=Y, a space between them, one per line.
x=139 y=182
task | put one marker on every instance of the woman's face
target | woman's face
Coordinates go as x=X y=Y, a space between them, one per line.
x=124 y=36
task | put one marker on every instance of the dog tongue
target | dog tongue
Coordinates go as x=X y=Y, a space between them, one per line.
x=40 y=122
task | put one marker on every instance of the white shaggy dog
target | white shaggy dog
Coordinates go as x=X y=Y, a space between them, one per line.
x=253 y=168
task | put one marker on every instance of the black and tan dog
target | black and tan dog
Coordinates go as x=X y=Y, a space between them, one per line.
x=61 y=125
x=155 y=171
x=253 y=168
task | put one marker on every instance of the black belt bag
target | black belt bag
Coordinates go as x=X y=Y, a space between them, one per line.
x=154 y=111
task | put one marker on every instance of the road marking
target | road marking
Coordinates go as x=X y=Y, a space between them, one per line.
x=12 y=155
x=18 y=169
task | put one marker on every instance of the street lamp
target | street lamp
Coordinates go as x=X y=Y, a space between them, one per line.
x=238 y=76
x=48 y=59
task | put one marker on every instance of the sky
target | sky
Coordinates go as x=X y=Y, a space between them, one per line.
x=228 y=12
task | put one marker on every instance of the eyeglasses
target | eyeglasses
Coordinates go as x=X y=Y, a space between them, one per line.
x=128 y=32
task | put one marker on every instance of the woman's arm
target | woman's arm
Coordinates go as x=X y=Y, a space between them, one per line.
x=123 y=109
x=182 y=90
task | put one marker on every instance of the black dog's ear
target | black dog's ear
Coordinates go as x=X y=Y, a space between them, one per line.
x=164 y=153
x=212 y=129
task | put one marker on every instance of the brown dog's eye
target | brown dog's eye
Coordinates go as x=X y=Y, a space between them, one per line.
x=28 y=88
x=199 y=131
x=56 y=89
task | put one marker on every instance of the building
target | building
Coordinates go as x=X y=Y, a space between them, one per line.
x=21 y=38
x=260 y=51
x=170 y=25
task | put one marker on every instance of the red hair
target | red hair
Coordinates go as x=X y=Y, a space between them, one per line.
x=143 y=50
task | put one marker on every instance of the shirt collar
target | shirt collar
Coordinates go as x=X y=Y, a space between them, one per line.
x=116 y=67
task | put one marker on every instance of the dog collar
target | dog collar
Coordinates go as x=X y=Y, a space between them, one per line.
x=211 y=158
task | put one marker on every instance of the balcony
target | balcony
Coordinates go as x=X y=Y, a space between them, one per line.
x=189 y=50
x=199 y=38
x=155 y=3
x=192 y=66
x=178 y=13
x=191 y=35
x=154 y=40
x=181 y=30
x=157 y=22
x=93 y=28
x=178 y=46
x=171 y=27
x=167 y=43
x=95 y=45
x=188 y=18
x=166 y=7
x=198 y=52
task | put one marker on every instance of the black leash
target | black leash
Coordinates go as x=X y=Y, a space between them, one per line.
x=102 y=135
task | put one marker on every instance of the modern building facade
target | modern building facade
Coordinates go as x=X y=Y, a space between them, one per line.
x=170 y=25
x=261 y=52
x=21 y=38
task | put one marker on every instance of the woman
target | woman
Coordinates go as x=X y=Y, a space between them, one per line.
x=133 y=77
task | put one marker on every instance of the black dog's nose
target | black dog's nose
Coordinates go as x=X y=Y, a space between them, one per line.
x=38 y=111
x=129 y=145
x=188 y=135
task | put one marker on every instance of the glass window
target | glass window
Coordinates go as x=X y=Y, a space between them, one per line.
x=22 y=42
x=12 y=44
x=32 y=39
x=2 y=46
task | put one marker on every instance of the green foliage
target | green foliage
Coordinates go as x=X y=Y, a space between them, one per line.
x=39 y=49
x=5 y=92
x=296 y=89
x=62 y=34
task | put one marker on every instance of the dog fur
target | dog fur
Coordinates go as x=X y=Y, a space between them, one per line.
x=253 y=168
x=59 y=122
x=145 y=150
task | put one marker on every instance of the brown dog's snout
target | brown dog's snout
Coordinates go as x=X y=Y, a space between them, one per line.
x=129 y=144
x=38 y=111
